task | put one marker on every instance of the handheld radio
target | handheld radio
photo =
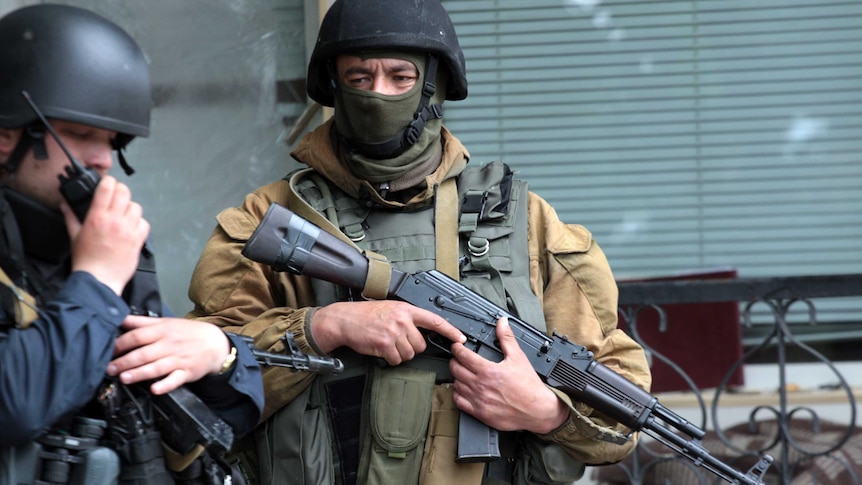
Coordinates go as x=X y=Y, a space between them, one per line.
x=79 y=183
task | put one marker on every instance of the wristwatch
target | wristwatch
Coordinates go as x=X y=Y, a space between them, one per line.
x=229 y=360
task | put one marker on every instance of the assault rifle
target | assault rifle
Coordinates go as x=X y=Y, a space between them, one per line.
x=186 y=423
x=139 y=422
x=287 y=242
x=293 y=358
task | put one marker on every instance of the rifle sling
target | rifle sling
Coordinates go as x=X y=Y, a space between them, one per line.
x=379 y=271
x=446 y=228
x=178 y=462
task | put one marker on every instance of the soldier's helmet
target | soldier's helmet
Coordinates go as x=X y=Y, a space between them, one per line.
x=76 y=66
x=351 y=26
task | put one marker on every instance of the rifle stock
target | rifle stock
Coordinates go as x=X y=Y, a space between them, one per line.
x=288 y=242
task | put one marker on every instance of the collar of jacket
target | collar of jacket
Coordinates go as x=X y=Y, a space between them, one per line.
x=317 y=151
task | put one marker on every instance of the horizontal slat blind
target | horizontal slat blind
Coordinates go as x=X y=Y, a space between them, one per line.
x=685 y=135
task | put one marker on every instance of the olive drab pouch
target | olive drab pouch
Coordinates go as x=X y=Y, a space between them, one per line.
x=544 y=463
x=438 y=463
x=294 y=446
x=493 y=232
x=399 y=407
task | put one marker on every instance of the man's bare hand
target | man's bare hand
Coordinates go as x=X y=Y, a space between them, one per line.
x=175 y=350
x=381 y=328
x=507 y=395
x=108 y=243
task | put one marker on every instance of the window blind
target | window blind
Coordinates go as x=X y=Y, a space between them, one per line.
x=684 y=134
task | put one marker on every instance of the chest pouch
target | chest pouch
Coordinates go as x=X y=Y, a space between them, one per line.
x=493 y=227
x=398 y=414
x=543 y=463
x=293 y=447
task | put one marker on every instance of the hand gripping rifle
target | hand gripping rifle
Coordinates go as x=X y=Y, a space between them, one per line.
x=179 y=424
x=287 y=242
x=188 y=423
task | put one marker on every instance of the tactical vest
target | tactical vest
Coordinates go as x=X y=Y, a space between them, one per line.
x=369 y=424
x=492 y=235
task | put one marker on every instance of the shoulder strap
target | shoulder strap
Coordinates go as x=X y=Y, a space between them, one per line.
x=379 y=271
x=446 y=228
x=141 y=293
x=298 y=205
x=18 y=303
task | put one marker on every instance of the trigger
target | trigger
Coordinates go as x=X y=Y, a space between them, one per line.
x=440 y=342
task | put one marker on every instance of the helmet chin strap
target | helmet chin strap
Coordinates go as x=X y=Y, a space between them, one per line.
x=409 y=135
x=119 y=143
x=33 y=137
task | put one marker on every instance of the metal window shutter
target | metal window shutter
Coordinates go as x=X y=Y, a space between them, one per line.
x=685 y=135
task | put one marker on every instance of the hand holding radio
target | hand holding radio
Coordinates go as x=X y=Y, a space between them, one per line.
x=108 y=242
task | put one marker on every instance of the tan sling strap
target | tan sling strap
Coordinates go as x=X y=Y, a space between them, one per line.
x=378 y=278
x=177 y=461
x=379 y=271
x=24 y=303
x=446 y=228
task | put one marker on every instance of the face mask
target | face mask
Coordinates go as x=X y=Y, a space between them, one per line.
x=376 y=117
x=367 y=117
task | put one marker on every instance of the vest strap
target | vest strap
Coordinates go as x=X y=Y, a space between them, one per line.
x=446 y=228
x=472 y=210
x=298 y=205
x=379 y=272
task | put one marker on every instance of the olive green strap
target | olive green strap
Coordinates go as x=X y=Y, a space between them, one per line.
x=379 y=270
x=298 y=205
x=177 y=461
x=446 y=228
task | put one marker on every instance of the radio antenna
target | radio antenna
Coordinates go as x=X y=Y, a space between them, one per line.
x=79 y=183
x=50 y=129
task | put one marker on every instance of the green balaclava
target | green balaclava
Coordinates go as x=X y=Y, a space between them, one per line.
x=363 y=117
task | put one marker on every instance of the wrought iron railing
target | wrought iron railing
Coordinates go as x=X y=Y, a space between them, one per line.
x=771 y=427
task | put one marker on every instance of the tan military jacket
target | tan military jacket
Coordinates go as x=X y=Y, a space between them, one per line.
x=568 y=271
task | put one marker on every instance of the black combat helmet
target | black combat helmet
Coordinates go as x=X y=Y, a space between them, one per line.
x=357 y=25
x=77 y=66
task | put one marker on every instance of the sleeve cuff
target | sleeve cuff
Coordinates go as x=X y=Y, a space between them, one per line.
x=84 y=289
x=306 y=329
x=580 y=424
